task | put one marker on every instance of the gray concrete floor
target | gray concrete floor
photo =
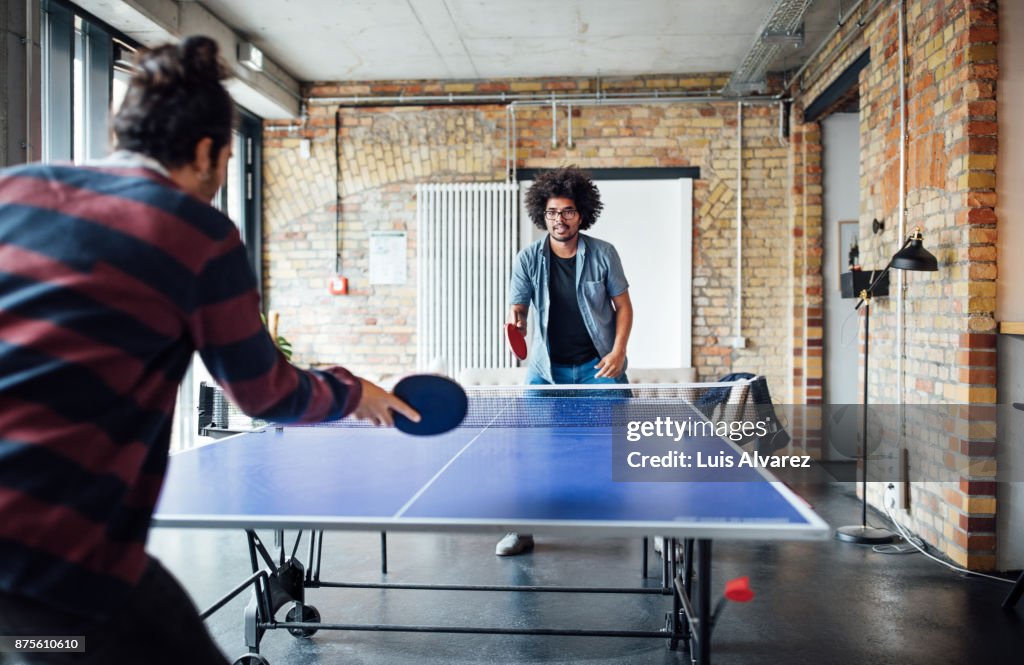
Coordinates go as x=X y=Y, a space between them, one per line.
x=821 y=602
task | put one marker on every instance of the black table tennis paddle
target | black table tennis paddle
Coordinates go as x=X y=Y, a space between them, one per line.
x=441 y=403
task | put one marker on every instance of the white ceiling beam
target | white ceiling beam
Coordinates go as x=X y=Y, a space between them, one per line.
x=272 y=93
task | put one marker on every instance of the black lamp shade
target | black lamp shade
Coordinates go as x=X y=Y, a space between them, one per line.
x=915 y=257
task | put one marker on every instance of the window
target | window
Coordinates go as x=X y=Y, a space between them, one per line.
x=80 y=79
x=239 y=197
x=57 y=30
x=85 y=73
x=121 y=75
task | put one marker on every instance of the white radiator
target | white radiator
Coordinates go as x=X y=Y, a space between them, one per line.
x=466 y=242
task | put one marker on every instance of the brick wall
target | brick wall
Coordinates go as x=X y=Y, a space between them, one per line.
x=386 y=150
x=806 y=294
x=948 y=320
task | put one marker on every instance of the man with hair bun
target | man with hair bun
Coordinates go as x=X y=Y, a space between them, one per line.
x=111 y=276
x=578 y=291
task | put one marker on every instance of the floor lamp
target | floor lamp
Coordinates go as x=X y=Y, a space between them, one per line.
x=911 y=256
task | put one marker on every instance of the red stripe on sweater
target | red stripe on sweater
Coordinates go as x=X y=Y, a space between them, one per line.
x=83 y=443
x=149 y=224
x=227 y=322
x=124 y=374
x=68 y=535
x=256 y=396
x=108 y=363
x=106 y=285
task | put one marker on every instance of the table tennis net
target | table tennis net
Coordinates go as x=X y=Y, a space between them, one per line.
x=546 y=406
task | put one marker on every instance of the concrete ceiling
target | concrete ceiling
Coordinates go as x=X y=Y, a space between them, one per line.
x=331 y=40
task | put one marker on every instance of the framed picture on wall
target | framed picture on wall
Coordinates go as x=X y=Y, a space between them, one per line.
x=849 y=251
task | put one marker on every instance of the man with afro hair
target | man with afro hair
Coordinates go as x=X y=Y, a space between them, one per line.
x=578 y=292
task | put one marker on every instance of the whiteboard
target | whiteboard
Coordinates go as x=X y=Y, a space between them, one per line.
x=650 y=222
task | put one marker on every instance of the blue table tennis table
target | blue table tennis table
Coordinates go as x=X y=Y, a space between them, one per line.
x=490 y=475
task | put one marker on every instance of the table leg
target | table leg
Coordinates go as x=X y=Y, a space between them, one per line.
x=687 y=574
x=677 y=604
x=704 y=602
x=666 y=580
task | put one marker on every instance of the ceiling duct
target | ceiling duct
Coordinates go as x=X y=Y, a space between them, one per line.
x=782 y=29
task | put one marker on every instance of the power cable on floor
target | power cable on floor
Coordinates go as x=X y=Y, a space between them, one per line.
x=919 y=546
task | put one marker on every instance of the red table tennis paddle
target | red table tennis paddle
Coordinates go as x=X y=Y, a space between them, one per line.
x=738 y=590
x=441 y=403
x=516 y=341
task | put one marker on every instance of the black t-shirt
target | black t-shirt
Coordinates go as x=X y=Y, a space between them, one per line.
x=568 y=338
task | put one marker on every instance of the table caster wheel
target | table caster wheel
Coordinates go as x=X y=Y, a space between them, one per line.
x=309 y=615
x=251 y=659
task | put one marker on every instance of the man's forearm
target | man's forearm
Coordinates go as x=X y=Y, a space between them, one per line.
x=623 y=326
x=623 y=321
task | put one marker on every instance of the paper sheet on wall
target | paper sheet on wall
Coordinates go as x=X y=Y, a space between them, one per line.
x=388 y=257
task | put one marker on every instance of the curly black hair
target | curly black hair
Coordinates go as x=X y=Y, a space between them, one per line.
x=568 y=182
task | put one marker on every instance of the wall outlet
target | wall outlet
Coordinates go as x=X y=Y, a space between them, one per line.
x=890 y=497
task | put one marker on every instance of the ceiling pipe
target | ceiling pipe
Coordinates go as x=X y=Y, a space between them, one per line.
x=568 y=133
x=845 y=42
x=554 y=124
x=824 y=42
x=512 y=131
x=861 y=21
x=783 y=140
x=537 y=99
x=599 y=99
x=508 y=143
x=782 y=23
x=513 y=101
x=653 y=99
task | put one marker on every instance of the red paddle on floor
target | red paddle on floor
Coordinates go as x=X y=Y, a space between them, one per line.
x=516 y=341
x=441 y=403
x=737 y=590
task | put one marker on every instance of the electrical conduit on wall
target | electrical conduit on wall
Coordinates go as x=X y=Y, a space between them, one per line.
x=738 y=342
x=900 y=281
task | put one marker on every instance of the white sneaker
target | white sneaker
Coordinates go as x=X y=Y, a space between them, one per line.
x=513 y=544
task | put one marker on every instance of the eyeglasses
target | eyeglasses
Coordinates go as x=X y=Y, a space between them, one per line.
x=567 y=214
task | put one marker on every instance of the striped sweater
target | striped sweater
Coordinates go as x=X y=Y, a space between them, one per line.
x=110 y=278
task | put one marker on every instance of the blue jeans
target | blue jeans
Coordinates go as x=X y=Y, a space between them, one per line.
x=573 y=374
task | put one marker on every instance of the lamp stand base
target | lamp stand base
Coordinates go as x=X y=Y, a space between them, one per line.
x=864 y=535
